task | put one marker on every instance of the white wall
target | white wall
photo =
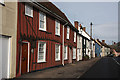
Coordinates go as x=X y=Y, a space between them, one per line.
x=79 y=47
x=0 y=57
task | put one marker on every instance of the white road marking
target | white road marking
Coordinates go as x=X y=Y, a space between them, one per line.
x=116 y=61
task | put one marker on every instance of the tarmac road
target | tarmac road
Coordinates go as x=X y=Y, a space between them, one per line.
x=107 y=67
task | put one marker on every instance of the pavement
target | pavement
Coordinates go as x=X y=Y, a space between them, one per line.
x=107 y=67
x=74 y=70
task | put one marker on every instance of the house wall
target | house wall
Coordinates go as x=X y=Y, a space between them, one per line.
x=28 y=31
x=93 y=48
x=70 y=42
x=97 y=50
x=103 y=51
x=79 y=47
x=8 y=27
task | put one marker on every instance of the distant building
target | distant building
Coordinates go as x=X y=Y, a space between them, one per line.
x=97 y=48
x=105 y=49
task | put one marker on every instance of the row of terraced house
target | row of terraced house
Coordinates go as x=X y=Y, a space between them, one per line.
x=37 y=35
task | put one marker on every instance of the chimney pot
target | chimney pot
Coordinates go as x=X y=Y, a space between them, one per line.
x=103 y=41
x=84 y=28
x=97 y=39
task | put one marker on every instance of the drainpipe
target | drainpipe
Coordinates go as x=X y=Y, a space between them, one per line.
x=63 y=45
x=63 y=48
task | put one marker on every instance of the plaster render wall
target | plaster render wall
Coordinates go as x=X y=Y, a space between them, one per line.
x=8 y=27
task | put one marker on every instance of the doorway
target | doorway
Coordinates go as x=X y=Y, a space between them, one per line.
x=70 y=55
x=24 y=58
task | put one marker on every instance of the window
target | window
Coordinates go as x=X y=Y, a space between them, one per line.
x=74 y=53
x=57 y=52
x=42 y=21
x=28 y=10
x=84 y=41
x=57 y=28
x=79 y=40
x=74 y=36
x=68 y=32
x=65 y=52
x=41 y=52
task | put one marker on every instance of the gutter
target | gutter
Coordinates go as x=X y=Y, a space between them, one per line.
x=35 y=3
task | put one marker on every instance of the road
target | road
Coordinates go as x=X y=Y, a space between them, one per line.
x=107 y=67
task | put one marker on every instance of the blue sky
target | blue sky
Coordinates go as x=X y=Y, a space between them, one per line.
x=103 y=15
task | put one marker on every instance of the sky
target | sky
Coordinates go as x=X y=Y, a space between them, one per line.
x=103 y=15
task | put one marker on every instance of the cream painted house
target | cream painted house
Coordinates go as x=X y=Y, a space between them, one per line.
x=8 y=33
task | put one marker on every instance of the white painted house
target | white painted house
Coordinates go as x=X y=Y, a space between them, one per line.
x=83 y=42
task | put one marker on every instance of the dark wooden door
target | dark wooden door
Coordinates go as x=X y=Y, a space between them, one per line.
x=24 y=59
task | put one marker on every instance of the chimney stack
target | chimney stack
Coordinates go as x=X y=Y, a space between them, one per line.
x=80 y=26
x=76 y=24
x=84 y=28
x=103 y=41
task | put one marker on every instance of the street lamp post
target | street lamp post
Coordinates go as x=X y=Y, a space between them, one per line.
x=91 y=37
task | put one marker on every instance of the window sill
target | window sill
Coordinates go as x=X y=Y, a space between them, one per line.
x=65 y=59
x=57 y=35
x=28 y=15
x=45 y=31
x=57 y=60
x=41 y=62
x=74 y=59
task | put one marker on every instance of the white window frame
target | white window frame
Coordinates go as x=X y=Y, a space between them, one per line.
x=74 y=53
x=57 y=32
x=44 y=57
x=30 y=7
x=57 y=59
x=74 y=36
x=44 y=29
x=66 y=54
x=68 y=32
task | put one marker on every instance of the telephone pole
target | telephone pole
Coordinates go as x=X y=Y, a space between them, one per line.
x=91 y=37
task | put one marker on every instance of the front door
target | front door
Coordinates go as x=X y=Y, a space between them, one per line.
x=24 y=58
x=70 y=55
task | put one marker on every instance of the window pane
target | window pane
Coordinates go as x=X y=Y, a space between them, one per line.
x=42 y=20
x=41 y=51
x=41 y=24
x=28 y=10
x=64 y=52
x=57 y=52
x=56 y=27
x=41 y=16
